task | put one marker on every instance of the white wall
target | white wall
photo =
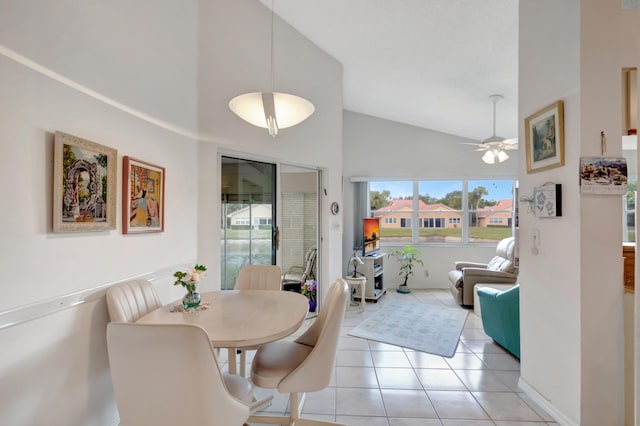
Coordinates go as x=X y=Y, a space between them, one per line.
x=572 y=356
x=54 y=370
x=376 y=148
x=550 y=343
x=140 y=77
x=233 y=61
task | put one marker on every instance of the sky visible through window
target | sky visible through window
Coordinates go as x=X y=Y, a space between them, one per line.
x=498 y=189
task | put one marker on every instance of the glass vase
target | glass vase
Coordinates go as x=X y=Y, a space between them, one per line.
x=312 y=305
x=191 y=300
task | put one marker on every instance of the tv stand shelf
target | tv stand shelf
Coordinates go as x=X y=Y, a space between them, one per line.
x=373 y=269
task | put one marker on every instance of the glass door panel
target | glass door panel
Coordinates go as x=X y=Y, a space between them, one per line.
x=247 y=218
x=298 y=222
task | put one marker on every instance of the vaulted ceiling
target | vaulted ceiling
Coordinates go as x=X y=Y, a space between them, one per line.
x=428 y=63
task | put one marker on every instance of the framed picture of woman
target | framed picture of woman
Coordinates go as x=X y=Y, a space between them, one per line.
x=142 y=197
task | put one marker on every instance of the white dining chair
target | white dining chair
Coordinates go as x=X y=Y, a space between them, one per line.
x=128 y=301
x=168 y=374
x=259 y=277
x=305 y=364
x=255 y=277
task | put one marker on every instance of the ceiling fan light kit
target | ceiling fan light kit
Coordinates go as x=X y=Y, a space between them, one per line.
x=494 y=156
x=495 y=146
x=271 y=110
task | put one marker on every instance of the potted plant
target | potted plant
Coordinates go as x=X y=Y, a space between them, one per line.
x=189 y=280
x=408 y=257
x=309 y=289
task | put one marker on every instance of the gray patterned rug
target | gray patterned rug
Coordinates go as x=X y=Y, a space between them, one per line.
x=420 y=326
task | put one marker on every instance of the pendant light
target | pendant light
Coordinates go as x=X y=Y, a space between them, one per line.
x=271 y=110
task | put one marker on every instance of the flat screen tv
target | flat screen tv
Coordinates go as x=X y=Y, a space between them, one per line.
x=371 y=236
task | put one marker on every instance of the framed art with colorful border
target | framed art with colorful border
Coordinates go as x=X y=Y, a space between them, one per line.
x=545 y=138
x=142 y=197
x=84 y=185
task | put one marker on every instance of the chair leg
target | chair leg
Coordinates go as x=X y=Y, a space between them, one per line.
x=295 y=406
x=243 y=363
x=296 y=402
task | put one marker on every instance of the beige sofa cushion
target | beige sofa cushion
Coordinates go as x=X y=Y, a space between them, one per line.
x=500 y=264
x=455 y=277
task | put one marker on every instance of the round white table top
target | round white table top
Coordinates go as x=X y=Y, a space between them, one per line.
x=240 y=318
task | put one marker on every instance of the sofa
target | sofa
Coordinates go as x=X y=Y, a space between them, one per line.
x=501 y=316
x=500 y=270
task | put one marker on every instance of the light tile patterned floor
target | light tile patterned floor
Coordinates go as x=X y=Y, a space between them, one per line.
x=376 y=384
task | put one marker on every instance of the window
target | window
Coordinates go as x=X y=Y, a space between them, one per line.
x=456 y=211
x=434 y=222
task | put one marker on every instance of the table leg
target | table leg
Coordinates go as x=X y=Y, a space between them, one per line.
x=232 y=360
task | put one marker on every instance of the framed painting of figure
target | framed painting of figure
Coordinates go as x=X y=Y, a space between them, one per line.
x=142 y=197
x=84 y=185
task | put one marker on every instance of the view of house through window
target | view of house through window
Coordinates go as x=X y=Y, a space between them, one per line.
x=629 y=212
x=247 y=216
x=456 y=211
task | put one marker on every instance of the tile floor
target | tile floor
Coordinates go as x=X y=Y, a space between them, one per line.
x=376 y=384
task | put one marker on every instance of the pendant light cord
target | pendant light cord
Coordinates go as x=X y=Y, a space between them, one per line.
x=273 y=84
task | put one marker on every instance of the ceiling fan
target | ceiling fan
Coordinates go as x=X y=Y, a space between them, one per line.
x=495 y=146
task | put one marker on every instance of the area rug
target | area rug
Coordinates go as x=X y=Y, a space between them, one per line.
x=420 y=326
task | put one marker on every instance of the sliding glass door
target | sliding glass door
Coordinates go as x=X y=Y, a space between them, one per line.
x=248 y=225
x=299 y=227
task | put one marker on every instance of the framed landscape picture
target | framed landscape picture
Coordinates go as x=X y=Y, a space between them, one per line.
x=545 y=138
x=84 y=185
x=142 y=197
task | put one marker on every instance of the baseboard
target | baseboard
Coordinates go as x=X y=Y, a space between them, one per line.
x=544 y=403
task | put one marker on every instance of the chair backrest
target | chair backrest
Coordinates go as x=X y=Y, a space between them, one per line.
x=130 y=300
x=259 y=277
x=167 y=374
x=504 y=259
x=310 y=259
x=314 y=373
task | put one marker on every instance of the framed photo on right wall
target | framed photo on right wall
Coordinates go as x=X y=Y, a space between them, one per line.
x=545 y=138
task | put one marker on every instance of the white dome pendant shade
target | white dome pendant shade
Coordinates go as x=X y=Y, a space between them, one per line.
x=271 y=110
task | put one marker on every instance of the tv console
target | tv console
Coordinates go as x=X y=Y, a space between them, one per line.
x=373 y=269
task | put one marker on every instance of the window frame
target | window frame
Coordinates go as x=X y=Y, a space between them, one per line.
x=465 y=211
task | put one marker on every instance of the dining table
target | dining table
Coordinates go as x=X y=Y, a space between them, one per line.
x=237 y=319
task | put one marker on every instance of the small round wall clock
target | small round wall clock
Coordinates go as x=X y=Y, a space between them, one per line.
x=335 y=208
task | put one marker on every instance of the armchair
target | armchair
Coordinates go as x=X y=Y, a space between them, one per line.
x=501 y=316
x=296 y=275
x=500 y=270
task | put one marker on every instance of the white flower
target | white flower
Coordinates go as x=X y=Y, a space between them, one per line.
x=194 y=275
